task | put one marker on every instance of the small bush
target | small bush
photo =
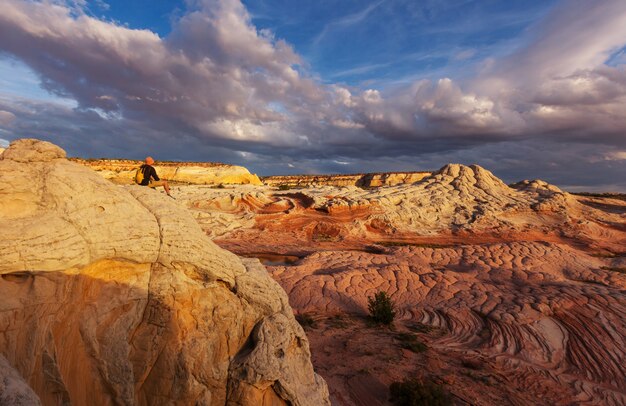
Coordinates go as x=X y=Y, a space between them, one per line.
x=411 y=342
x=285 y=187
x=305 y=320
x=414 y=393
x=381 y=308
x=337 y=321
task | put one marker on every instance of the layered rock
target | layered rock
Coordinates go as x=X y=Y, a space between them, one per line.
x=454 y=201
x=523 y=285
x=391 y=178
x=195 y=173
x=114 y=295
x=547 y=318
x=361 y=180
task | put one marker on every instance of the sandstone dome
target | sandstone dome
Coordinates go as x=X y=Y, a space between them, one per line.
x=114 y=295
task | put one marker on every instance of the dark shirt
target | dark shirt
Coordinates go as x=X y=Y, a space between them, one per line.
x=148 y=173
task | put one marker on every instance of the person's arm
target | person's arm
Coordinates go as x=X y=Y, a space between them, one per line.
x=154 y=174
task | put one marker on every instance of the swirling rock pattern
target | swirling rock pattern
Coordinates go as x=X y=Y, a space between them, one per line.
x=528 y=279
x=541 y=312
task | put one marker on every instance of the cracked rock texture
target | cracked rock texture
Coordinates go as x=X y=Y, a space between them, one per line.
x=114 y=295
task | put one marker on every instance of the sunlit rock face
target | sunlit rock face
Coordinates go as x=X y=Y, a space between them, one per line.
x=525 y=284
x=196 y=173
x=453 y=204
x=362 y=180
x=113 y=295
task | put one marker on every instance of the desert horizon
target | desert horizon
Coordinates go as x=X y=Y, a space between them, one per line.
x=495 y=293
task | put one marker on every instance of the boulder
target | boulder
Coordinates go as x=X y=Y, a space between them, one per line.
x=114 y=295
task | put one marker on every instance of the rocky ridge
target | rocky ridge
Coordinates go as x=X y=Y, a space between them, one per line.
x=456 y=199
x=118 y=286
x=197 y=173
x=366 y=180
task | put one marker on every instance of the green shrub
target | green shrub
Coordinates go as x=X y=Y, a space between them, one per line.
x=381 y=308
x=411 y=342
x=305 y=320
x=414 y=393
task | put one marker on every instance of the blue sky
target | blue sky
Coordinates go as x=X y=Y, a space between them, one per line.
x=381 y=42
x=375 y=43
x=327 y=86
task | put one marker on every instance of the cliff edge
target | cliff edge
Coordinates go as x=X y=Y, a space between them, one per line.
x=114 y=295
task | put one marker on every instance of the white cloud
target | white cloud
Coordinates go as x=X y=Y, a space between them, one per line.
x=220 y=80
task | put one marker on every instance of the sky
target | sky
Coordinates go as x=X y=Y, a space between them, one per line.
x=527 y=89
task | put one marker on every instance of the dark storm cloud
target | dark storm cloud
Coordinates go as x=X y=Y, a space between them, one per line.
x=218 y=87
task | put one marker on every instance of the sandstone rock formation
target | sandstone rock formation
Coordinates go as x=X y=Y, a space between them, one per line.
x=550 y=319
x=113 y=295
x=527 y=282
x=362 y=180
x=196 y=173
x=455 y=202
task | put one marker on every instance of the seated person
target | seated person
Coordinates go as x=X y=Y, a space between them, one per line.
x=150 y=177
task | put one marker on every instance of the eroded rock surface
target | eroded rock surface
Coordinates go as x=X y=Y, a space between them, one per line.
x=455 y=203
x=518 y=291
x=197 y=173
x=114 y=295
x=361 y=180
x=540 y=313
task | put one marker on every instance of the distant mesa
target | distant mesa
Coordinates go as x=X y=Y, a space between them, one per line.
x=364 y=180
x=122 y=171
x=117 y=286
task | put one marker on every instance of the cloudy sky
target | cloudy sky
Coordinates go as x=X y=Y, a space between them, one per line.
x=525 y=88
